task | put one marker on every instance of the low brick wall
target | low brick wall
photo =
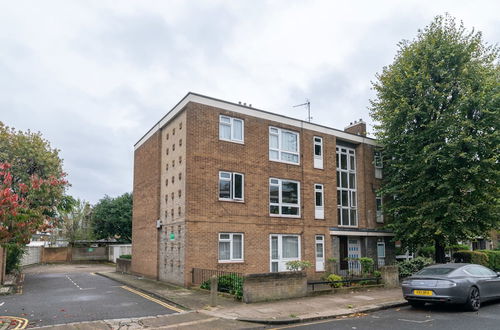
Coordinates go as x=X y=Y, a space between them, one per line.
x=390 y=276
x=274 y=286
x=89 y=253
x=59 y=254
x=123 y=265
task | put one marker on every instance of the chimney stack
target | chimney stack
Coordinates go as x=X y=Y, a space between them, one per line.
x=358 y=128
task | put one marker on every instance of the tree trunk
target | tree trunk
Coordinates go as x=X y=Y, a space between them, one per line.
x=440 y=254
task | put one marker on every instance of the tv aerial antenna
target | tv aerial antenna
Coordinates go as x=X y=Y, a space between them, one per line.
x=307 y=104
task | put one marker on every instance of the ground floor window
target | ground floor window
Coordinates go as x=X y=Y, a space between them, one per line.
x=284 y=248
x=230 y=247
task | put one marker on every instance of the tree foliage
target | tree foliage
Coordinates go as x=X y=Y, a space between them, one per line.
x=437 y=109
x=76 y=223
x=112 y=218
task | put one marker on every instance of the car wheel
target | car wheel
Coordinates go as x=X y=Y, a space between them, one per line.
x=417 y=304
x=473 y=300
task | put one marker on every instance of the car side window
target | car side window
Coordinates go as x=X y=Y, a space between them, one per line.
x=475 y=271
x=488 y=272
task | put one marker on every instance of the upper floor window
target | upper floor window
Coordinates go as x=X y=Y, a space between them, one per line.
x=318 y=152
x=378 y=207
x=319 y=208
x=377 y=161
x=231 y=186
x=346 y=187
x=283 y=145
x=284 y=198
x=230 y=247
x=231 y=129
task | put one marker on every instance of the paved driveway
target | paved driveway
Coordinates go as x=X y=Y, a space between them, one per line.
x=73 y=293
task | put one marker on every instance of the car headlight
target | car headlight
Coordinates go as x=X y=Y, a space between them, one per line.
x=445 y=284
x=406 y=283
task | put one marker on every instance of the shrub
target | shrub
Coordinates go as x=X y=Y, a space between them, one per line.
x=230 y=283
x=297 y=265
x=459 y=247
x=473 y=257
x=409 y=267
x=126 y=256
x=333 y=278
x=493 y=259
x=366 y=265
x=376 y=273
x=427 y=251
x=14 y=256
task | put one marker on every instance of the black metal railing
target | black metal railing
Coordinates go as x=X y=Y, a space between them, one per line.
x=227 y=281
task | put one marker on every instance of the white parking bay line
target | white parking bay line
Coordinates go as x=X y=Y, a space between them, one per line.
x=416 y=321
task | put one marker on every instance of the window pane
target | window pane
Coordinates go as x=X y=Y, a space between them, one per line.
x=345 y=217
x=273 y=141
x=337 y=160
x=287 y=157
x=345 y=198
x=237 y=247
x=273 y=155
x=289 y=210
x=225 y=175
x=317 y=150
x=290 y=247
x=343 y=179
x=225 y=131
x=224 y=236
x=352 y=181
x=319 y=250
x=274 y=130
x=224 y=119
x=224 y=251
x=289 y=192
x=274 y=267
x=289 y=141
x=353 y=198
x=379 y=204
x=238 y=186
x=343 y=162
x=274 y=194
x=274 y=248
x=273 y=209
x=381 y=250
x=319 y=198
x=352 y=163
x=353 y=218
x=338 y=179
x=237 y=129
x=224 y=189
x=339 y=198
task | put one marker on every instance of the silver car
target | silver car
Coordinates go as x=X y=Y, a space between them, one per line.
x=467 y=284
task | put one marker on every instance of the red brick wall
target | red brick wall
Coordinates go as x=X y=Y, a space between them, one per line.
x=146 y=207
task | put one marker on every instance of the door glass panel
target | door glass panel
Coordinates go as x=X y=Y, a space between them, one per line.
x=319 y=199
x=317 y=150
x=319 y=250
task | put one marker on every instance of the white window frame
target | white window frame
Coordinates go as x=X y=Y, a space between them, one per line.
x=232 y=184
x=280 y=197
x=378 y=163
x=279 y=132
x=379 y=216
x=280 y=251
x=319 y=211
x=320 y=262
x=352 y=202
x=230 y=241
x=231 y=126
x=318 y=159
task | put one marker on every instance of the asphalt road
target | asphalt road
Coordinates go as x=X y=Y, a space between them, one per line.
x=408 y=318
x=59 y=298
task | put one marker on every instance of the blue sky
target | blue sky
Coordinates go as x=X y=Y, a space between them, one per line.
x=94 y=76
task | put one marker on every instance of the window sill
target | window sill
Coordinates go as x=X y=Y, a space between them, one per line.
x=346 y=226
x=284 y=162
x=285 y=216
x=231 y=261
x=233 y=141
x=231 y=200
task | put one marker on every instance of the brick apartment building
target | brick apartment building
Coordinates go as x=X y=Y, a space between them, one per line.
x=225 y=186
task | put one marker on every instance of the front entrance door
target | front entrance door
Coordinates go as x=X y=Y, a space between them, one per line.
x=354 y=252
x=284 y=248
x=320 y=253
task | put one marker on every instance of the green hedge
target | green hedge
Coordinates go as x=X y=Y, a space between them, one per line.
x=493 y=259
x=472 y=257
x=126 y=256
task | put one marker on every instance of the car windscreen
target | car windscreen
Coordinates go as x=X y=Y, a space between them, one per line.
x=435 y=271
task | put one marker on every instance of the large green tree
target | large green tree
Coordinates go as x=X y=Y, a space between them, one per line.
x=112 y=218
x=437 y=114
x=76 y=222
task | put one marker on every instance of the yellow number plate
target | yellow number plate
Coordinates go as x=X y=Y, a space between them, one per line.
x=422 y=292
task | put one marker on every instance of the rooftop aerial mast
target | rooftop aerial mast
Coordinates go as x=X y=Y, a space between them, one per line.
x=308 y=106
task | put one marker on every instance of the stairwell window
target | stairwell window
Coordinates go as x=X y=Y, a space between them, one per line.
x=231 y=186
x=379 y=165
x=283 y=145
x=318 y=152
x=230 y=247
x=378 y=206
x=346 y=187
x=284 y=198
x=231 y=129
x=319 y=208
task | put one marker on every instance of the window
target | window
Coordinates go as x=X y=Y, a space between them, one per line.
x=319 y=208
x=284 y=248
x=346 y=187
x=381 y=249
x=283 y=145
x=320 y=253
x=231 y=129
x=378 y=206
x=318 y=152
x=377 y=161
x=284 y=198
x=230 y=247
x=231 y=186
